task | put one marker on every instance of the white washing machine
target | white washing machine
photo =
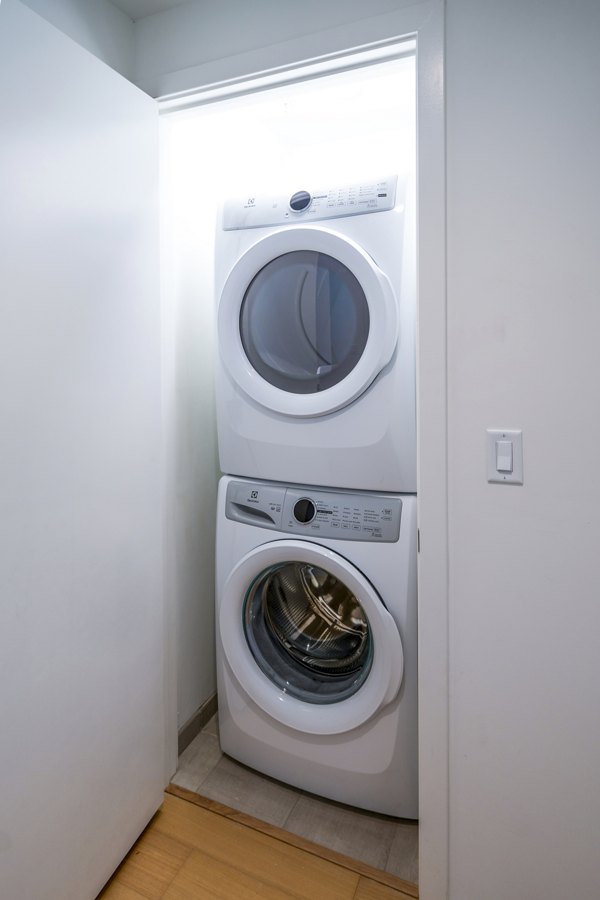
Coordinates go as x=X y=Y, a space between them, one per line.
x=317 y=639
x=315 y=374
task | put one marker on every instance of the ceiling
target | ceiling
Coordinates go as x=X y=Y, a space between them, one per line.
x=137 y=9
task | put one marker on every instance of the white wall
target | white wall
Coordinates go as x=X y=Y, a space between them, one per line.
x=81 y=546
x=191 y=458
x=201 y=42
x=523 y=135
x=97 y=25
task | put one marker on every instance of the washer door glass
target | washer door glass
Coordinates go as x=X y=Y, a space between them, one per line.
x=308 y=632
x=304 y=322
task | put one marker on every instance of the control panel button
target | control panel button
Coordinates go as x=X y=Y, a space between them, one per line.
x=304 y=510
x=345 y=517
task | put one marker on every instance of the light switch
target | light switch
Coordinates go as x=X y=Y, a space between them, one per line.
x=504 y=456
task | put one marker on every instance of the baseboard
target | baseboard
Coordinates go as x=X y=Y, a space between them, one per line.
x=196 y=723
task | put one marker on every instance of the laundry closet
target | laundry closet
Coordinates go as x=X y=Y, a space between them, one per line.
x=311 y=129
x=307 y=325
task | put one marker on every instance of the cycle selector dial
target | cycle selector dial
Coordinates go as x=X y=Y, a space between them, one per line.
x=300 y=201
x=304 y=511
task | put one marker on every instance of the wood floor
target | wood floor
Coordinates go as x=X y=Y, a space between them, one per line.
x=189 y=852
x=382 y=842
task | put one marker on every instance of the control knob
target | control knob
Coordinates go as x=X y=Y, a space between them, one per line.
x=300 y=201
x=304 y=511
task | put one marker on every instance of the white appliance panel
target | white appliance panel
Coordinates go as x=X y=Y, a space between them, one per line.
x=322 y=203
x=354 y=750
x=283 y=413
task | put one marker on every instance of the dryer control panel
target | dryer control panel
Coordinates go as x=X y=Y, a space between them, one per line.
x=301 y=206
x=355 y=516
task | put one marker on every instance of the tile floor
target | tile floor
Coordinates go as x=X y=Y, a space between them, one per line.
x=381 y=841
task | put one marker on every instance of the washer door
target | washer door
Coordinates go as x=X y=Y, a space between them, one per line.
x=306 y=321
x=308 y=637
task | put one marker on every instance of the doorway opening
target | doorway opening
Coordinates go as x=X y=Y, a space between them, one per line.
x=334 y=128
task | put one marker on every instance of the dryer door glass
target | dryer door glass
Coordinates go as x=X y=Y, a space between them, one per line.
x=308 y=632
x=304 y=322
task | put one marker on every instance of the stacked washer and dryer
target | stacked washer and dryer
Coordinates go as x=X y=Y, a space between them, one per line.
x=316 y=522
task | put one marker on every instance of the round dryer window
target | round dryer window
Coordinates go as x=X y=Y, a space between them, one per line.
x=304 y=322
x=308 y=632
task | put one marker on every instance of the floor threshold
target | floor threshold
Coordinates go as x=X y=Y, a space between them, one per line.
x=409 y=889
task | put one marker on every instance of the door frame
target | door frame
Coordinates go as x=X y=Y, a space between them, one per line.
x=420 y=30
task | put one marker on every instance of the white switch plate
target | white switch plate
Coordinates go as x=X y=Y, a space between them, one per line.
x=516 y=439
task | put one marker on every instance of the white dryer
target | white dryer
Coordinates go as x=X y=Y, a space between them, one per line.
x=317 y=639
x=315 y=374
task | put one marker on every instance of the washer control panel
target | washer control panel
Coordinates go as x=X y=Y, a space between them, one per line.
x=304 y=205
x=355 y=516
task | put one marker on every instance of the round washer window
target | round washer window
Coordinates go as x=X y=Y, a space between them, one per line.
x=304 y=322
x=308 y=632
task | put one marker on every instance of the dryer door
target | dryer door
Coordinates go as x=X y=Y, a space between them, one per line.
x=306 y=321
x=308 y=637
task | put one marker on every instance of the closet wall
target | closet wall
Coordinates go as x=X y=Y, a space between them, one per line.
x=523 y=141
